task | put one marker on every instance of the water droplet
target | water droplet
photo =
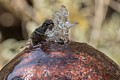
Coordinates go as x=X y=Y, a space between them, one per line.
x=61 y=26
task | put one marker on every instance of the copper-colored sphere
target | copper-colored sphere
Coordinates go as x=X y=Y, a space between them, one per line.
x=53 y=61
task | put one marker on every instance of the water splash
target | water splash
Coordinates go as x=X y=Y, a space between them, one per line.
x=61 y=26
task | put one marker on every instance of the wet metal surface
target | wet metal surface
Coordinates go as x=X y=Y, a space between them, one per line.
x=71 y=61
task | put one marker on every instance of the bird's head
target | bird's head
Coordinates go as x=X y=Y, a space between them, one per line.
x=48 y=24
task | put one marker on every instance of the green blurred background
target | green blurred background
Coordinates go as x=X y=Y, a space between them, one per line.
x=99 y=24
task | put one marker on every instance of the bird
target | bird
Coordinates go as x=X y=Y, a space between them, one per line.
x=38 y=34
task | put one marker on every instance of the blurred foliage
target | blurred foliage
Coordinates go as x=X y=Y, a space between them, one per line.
x=99 y=24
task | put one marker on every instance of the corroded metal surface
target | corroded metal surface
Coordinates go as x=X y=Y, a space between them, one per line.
x=53 y=61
